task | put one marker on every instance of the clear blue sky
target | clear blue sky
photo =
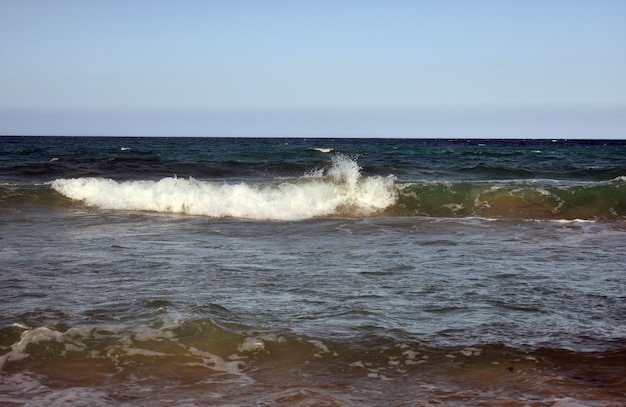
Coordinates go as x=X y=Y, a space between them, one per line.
x=437 y=68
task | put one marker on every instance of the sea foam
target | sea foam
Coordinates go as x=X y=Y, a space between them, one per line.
x=339 y=190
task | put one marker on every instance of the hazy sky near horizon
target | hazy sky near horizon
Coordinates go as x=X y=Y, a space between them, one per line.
x=449 y=68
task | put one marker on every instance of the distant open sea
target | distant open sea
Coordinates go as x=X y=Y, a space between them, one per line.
x=312 y=272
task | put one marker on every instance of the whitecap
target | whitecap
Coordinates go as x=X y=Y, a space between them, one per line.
x=338 y=190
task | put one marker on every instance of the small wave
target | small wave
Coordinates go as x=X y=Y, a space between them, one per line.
x=526 y=201
x=338 y=190
x=324 y=150
x=152 y=364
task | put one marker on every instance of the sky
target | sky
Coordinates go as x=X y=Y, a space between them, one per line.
x=314 y=68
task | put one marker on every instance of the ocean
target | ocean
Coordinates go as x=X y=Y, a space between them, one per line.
x=312 y=272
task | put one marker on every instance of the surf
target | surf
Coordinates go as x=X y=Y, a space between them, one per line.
x=336 y=190
x=516 y=199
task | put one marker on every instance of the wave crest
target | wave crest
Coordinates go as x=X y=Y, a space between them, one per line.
x=338 y=190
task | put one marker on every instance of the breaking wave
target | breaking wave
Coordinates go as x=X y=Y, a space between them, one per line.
x=339 y=190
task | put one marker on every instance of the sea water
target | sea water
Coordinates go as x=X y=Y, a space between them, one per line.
x=319 y=272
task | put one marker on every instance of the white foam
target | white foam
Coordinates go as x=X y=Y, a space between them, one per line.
x=573 y=221
x=215 y=362
x=18 y=350
x=73 y=340
x=340 y=191
x=251 y=344
x=320 y=345
x=471 y=352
